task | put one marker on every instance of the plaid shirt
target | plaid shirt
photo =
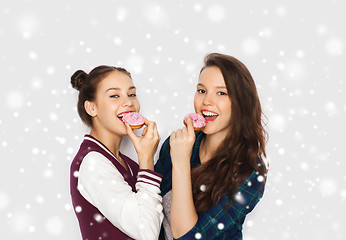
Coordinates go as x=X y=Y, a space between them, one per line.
x=216 y=222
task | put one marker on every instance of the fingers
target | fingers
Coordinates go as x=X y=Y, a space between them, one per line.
x=151 y=127
x=189 y=125
x=151 y=130
x=185 y=135
x=146 y=122
x=178 y=135
x=172 y=137
x=130 y=132
x=156 y=132
x=144 y=131
x=149 y=124
x=184 y=131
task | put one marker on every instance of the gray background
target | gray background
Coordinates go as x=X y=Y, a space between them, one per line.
x=295 y=51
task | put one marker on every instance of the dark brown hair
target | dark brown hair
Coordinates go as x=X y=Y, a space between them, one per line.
x=238 y=155
x=87 y=85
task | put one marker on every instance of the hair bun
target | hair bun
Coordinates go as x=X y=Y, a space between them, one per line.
x=78 y=79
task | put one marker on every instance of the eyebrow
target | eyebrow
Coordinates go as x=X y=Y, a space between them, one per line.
x=118 y=89
x=200 y=84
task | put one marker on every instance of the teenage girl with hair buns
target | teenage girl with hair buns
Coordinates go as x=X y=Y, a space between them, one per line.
x=114 y=197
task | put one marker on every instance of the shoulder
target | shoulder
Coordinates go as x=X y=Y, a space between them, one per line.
x=254 y=180
x=252 y=189
x=165 y=146
x=95 y=163
x=245 y=198
x=94 y=157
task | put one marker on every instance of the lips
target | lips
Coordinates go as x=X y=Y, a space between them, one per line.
x=209 y=116
x=122 y=114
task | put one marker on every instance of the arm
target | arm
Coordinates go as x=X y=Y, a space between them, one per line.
x=139 y=215
x=224 y=223
x=183 y=212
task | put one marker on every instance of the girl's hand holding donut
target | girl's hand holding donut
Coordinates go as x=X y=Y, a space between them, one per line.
x=145 y=145
x=181 y=142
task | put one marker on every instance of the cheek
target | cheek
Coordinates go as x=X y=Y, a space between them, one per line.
x=136 y=105
x=196 y=102
x=225 y=107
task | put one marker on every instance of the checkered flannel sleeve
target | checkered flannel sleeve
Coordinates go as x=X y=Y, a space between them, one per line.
x=220 y=223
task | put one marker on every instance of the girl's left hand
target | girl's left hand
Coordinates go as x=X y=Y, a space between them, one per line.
x=181 y=142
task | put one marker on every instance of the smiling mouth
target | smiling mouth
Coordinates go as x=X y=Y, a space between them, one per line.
x=209 y=116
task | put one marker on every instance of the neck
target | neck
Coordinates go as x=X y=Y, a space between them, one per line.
x=210 y=145
x=110 y=140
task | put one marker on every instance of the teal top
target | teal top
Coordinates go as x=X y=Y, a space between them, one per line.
x=217 y=222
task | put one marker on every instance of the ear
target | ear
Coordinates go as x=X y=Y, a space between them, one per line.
x=90 y=108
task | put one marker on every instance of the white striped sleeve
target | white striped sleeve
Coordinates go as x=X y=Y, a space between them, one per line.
x=149 y=177
x=139 y=215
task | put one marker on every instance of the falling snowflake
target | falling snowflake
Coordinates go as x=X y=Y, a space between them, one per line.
x=250 y=46
x=98 y=218
x=15 y=99
x=198 y=235
x=54 y=226
x=334 y=47
x=216 y=13
x=78 y=209
x=220 y=226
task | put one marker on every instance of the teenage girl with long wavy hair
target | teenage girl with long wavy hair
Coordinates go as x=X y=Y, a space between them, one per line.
x=213 y=178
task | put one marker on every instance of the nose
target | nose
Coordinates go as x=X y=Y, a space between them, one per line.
x=127 y=102
x=207 y=100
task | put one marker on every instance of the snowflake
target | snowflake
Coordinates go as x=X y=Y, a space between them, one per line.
x=220 y=226
x=78 y=209
x=198 y=235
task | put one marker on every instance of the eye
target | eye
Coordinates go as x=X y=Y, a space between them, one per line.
x=114 y=96
x=221 y=93
x=133 y=95
x=200 y=91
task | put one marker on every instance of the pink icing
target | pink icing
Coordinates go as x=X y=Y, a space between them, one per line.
x=197 y=119
x=133 y=119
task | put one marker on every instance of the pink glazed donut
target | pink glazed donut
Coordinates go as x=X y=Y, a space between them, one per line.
x=198 y=121
x=134 y=119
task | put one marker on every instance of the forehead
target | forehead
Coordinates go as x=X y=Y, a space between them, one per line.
x=116 y=79
x=211 y=76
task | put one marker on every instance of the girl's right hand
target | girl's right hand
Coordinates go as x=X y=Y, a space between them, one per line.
x=181 y=144
x=145 y=145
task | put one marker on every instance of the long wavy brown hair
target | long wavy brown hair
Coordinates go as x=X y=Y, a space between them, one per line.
x=238 y=155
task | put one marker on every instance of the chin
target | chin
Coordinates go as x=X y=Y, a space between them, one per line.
x=208 y=130
x=121 y=131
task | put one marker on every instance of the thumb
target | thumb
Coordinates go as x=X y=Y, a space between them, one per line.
x=130 y=132
x=189 y=125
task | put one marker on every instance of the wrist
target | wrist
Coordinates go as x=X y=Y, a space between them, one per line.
x=146 y=162
x=182 y=164
x=146 y=167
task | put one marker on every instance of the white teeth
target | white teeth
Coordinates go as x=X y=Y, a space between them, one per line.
x=209 y=114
